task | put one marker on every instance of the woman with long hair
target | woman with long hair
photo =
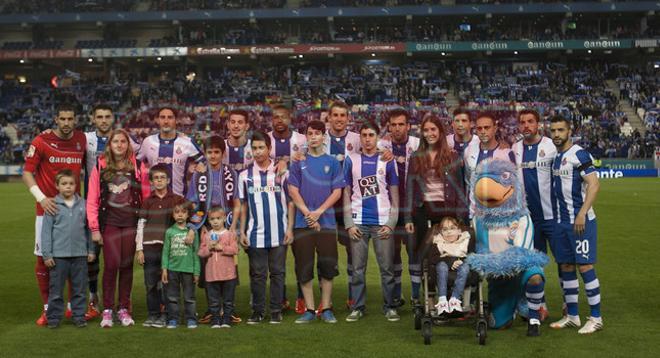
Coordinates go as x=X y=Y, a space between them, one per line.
x=117 y=186
x=435 y=187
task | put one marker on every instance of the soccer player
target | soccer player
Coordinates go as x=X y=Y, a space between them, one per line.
x=462 y=136
x=340 y=142
x=315 y=184
x=403 y=146
x=171 y=148
x=61 y=148
x=266 y=223
x=371 y=201
x=534 y=154
x=239 y=151
x=575 y=186
x=103 y=120
x=488 y=147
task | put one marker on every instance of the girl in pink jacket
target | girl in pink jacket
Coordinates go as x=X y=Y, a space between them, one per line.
x=219 y=245
x=117 y=186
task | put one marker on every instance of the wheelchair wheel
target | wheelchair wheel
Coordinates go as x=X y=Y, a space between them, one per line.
x=482 y=326
x=427 y=331
x=418 y=318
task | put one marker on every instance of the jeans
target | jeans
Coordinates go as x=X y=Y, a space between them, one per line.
x=384 y=249
x=221 y=293
x=75 y=270
x=442 y=268
x=154 y=286
x=176 y=281
x=263 y=262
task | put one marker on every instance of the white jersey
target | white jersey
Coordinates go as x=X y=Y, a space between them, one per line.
x=459 y=147
x=296 y=143
x=474 y=155
x=568 y=186
x=401 y=153
x=534 y=164
x=238 y=158
x=266 y=197
x=341 y=147
x=175 y=154
x=370 y=179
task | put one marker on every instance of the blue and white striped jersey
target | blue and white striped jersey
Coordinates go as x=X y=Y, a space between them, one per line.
x=369 y=179
x=568 y=186
x=341 y=147
x=459 y=147
x=238 y=158
x=266 y=196
x=175 y=153
x=534 y=164
x=287 y=147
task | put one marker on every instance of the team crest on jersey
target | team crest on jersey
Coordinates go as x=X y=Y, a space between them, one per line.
x=369 y=186
x=381 y=171
x=30 y=152
x=541 y=153
x=178 y=150
x=349 y=146
x=78 y=146
x=295 y=148
x=248 y=156
x=326 y=169
x=564 y=161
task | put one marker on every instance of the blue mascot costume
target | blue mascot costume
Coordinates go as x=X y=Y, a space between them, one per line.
x=505 y=252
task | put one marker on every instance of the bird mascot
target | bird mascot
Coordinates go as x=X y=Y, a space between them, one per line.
x=505 y=253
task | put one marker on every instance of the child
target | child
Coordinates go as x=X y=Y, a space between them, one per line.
x=450 y=247
x=155 y=219
x=180 y=265
x=66 y=248
x=219 y=247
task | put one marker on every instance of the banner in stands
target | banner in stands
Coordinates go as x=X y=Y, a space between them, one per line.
x=305 y=49
x=626 y=173
x=465 y=46
x=38 y=54
x=134 y=52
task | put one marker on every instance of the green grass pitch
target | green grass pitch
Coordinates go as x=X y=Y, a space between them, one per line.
x=628 y=240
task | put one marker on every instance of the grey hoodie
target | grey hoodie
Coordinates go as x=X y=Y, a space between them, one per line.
x=65 y=233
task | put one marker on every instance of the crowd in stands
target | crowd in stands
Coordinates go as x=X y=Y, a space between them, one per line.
x=578 y=91
x=63 y=6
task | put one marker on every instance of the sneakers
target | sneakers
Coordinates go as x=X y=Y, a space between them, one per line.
x=392 y=315
x=125 y=318
x=593 y=324
x=256 y=318
x=42 y=320
x=106 y=321
x=399 y=302
x=533 y=328
x=159 y=322
x=300 y=306
x=92 y=311
x=354 y=316
x=328 y=317
x=566 y=321
x=455 y=305
x=275 y=317
x=235 y=319
x=68 y=313
x=149 y=322
x=216 y=322
x=207 y=318
x=192 y=324
x=225 y=325
x=171 y=324
x=442 y=306
x=306 y=317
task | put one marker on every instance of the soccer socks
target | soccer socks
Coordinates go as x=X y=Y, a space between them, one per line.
x=535 y=299
x=43 y=279
x=571 y=287
x=592 y=287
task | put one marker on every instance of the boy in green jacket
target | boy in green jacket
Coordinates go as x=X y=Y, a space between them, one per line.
x=181 y=267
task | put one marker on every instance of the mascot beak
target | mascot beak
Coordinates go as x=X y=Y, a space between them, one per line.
x=490 y=193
